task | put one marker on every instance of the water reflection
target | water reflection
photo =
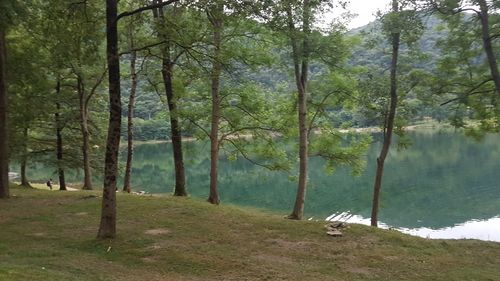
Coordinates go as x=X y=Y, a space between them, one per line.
x=486 y=230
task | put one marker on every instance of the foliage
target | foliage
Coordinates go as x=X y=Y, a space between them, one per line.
x=463 y=81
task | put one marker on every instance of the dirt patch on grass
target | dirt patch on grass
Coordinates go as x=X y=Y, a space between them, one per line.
x=273 y=259
x=155 y=247
x=149 y=259
x=158 y=231
x=359 y=270
x=295 y=245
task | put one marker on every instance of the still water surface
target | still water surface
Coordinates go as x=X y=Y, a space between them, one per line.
x=443 y=186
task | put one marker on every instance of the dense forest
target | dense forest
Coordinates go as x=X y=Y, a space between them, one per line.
x=273 y=82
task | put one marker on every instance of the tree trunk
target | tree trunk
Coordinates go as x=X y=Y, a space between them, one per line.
x=4 y=157
x=389 y=123
x=167 y=74
x=59 y=142
x=130 y=122
x=180 y=179
x=24 y=160
x=87 y=172
x=301 y=77
x=217 y=23
x=107 y=227
x=24 y=177
x=488 y=48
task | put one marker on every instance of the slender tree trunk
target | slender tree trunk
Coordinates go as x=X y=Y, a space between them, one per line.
x=24 y=177
x=107 y=227
x=167 y=74
x=59 y=142
x=130 y=122
x=4 y=157
x=180 y=178
x=487 y=45
x=217 y=23
x=301 y=66
x=87 y=172
x=24 y=160
x=389 y=123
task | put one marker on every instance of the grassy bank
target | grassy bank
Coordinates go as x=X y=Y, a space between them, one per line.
x=50 y=235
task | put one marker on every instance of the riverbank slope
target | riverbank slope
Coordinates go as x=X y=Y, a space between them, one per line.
x=50 y=235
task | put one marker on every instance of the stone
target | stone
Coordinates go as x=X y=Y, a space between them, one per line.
x=334 y=233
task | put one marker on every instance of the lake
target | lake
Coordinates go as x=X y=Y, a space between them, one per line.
x=444 y=185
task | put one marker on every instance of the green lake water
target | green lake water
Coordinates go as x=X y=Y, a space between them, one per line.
x=444 y=185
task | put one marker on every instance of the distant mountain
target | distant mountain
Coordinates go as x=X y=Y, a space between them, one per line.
x=379 y=54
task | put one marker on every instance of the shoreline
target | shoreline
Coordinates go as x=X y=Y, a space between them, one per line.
x=410 y=128
x=461 y=231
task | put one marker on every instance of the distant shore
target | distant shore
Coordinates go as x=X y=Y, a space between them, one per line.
x=424 y=125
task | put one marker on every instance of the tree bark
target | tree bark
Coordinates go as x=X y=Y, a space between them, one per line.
x=301 y=68
x=24 y=178
x=4 y=157
x=59 y=142
x=24 y=160
x=176 y=134
x=107 y=227
x=217 y=23
x=487 y=45
x=180 y=178
x=87 y=171
x=389 y=124
x=130 y=121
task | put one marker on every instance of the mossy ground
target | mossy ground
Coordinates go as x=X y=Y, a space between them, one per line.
x=50 y=235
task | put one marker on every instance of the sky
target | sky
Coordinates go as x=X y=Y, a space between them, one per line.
x=365 y=10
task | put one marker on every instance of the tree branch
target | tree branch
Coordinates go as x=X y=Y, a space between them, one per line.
x=436 y=7
x=142 y=48
x=466 y=95
x=145 y=8
x=240 y=151
x=319 y=108
x=199 y=126
x=94 y=87
x=470 y=92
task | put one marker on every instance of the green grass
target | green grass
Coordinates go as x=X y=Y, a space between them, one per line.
x=50 y=235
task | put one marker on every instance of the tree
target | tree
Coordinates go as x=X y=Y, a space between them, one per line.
x=86 y=65
x=467 y=79
x=169 y=59
x=483 y=15
x=29 y=87
x=4 y=166
x=395 y=23
x=236 y=121
x=215 y=16
x=59 y=140
x=301 y=68
x=389 y=122
x=294 y=18
x=107 y=228
x=325 y=50
x=8 y=12
x=70 y=35
x=131 y=104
